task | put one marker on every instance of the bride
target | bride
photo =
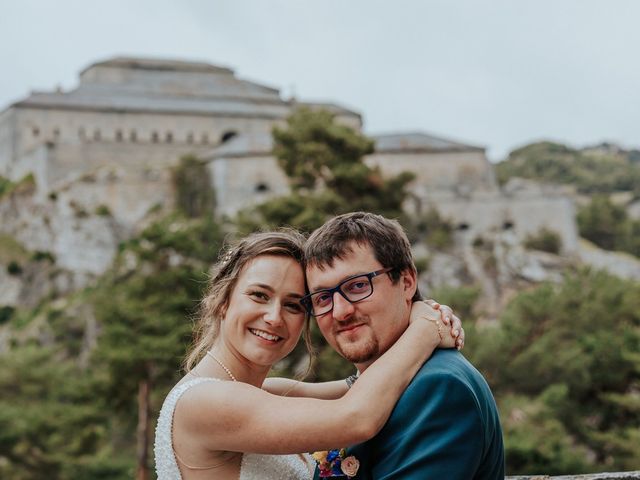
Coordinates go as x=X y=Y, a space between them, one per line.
x=225 y=420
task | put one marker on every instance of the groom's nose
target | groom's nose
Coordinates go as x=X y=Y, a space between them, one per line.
x=342 y=308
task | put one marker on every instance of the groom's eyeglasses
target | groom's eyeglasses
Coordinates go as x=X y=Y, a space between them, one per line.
x=353 y=289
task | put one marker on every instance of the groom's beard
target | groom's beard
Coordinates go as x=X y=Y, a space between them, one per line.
x=364 y=349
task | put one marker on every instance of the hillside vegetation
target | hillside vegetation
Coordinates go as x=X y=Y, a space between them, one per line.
x=598 y=170
x=597 y=173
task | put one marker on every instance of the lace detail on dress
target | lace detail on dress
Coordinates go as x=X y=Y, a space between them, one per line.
x=254 y=466
x=166 y=466
x=276 y=467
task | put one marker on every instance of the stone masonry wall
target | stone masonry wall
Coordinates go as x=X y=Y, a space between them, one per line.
x=524 y=214
x=440 y=171
x=240 y=182
x=23 y=130
x=6 y=139
x=595 y=476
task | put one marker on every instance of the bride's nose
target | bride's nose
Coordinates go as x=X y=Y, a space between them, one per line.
x=273 y=315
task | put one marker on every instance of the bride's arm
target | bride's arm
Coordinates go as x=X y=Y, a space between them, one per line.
x=336 y=389
x=287 y=387
x=234 y=416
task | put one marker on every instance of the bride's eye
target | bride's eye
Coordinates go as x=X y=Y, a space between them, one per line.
x=259 y=296
x=294 y=307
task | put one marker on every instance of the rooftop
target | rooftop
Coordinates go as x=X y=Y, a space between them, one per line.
x=168 y=86
x=257 y=144
x=147 y=63
x=130 y=84
x=419 y=142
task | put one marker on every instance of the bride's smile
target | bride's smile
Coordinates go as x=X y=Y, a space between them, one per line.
x=264 y=317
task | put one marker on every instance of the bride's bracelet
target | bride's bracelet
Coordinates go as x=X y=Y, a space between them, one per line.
x=351 y=379
x=439 y=325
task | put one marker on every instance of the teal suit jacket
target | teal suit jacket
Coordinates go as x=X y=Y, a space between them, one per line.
x=444 y=426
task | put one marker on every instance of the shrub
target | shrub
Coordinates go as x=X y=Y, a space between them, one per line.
x=5 y=185
x=436 y=231
x=608 y=226
x=194 y=194
x=478 y=242
x=78 y=209
x=103 y=211
x=14 y=268
x=545 y=240
x=6 y=312
x=39 y=255
x=421 y=263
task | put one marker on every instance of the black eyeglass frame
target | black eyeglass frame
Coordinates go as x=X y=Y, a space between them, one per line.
x=306 y=300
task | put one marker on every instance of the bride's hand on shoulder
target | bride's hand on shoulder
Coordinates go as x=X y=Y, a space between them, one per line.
x=448 y=324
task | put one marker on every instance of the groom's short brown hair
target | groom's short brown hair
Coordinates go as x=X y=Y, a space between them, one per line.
x=386 y=238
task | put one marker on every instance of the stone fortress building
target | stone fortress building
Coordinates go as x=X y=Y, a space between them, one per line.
x=109 y=142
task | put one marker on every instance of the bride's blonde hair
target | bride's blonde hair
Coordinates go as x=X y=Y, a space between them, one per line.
x=232 y=260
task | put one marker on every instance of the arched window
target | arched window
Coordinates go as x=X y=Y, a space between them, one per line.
x=190 y=138
x=35 y=131
x=118 y=135
x=154 y=137
x=228 y=135
x=262 y=187
x=56 y=133
x=168 y=137
x=82 y=134
x=133 y=136
x=97 y=135
x=204 y=139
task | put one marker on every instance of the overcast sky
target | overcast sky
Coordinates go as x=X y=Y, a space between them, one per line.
x=497 y=73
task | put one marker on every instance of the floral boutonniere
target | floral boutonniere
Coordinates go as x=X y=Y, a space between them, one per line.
x=335 y=463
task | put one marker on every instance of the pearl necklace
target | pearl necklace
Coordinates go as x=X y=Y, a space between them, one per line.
x=224 y=367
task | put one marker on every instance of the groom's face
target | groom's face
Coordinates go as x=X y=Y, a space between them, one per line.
x=364 y=330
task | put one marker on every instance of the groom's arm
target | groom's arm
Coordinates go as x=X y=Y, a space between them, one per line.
x=435 y=431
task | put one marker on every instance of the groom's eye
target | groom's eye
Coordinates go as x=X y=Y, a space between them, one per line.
x=321 y=299
x=357 y=286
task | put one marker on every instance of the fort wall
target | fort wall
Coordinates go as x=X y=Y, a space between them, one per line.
x=468 y=170
x=7 y=140
x=241 y=182
x=33 y=127
x=524 y=214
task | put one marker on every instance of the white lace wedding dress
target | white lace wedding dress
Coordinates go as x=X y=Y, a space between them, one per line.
x=253 y=466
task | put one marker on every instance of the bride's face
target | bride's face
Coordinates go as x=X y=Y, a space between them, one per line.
x=264 y=318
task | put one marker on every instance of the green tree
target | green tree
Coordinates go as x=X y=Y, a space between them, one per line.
x=5 y=185
x=324 y=161
x=51 y=424
x=631 y=239
x=433 y=229
x=145 y=316
x=608 y=226
x=569 y=352
x=544 y=240
x=194 y=194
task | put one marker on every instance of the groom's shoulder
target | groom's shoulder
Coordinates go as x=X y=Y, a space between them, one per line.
x=448 y=367
x=447 y=360
x=448 y=363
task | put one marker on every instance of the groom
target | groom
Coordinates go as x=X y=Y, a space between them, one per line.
x=445 y=425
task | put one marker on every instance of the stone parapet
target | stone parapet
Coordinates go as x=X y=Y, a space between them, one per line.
x=594 y=476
